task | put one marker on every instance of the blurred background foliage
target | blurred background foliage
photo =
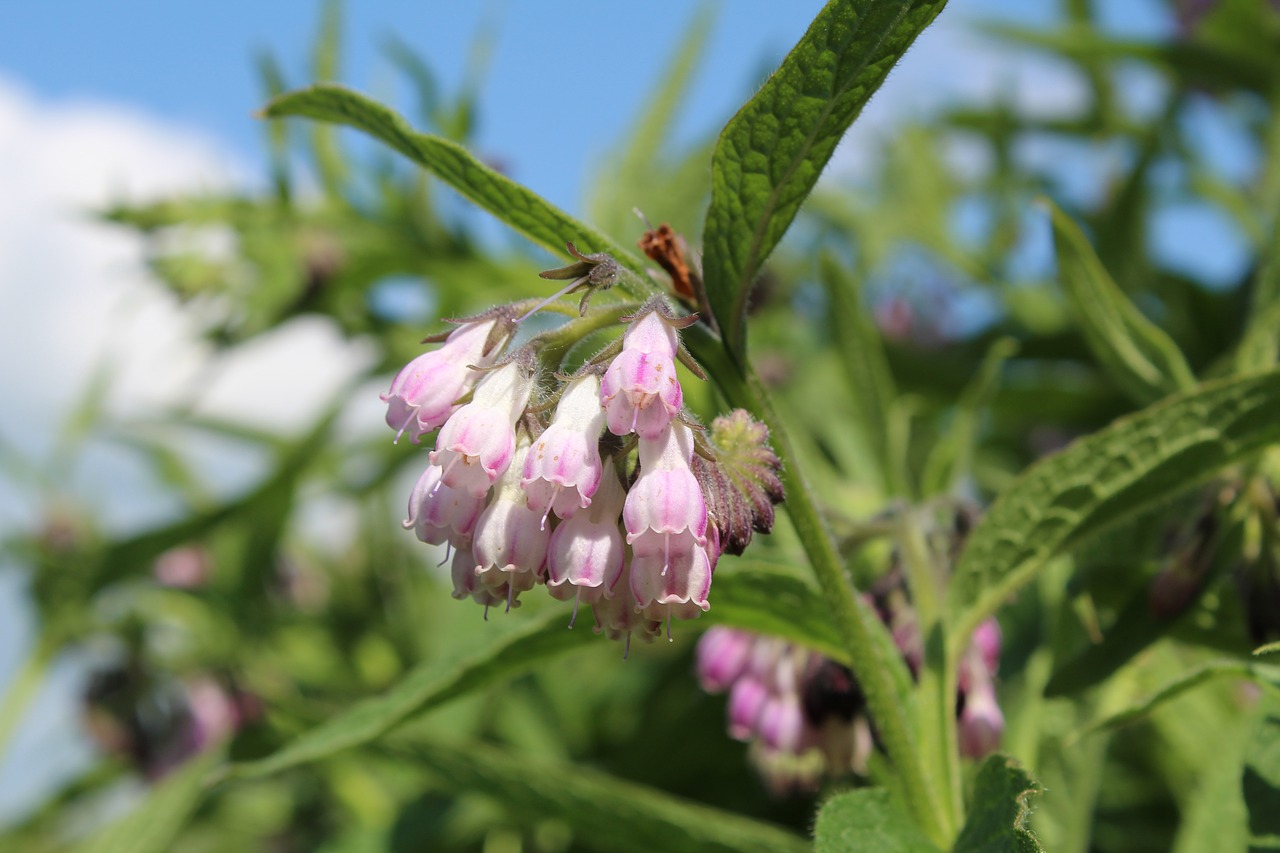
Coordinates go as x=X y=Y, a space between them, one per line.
x=264 y=614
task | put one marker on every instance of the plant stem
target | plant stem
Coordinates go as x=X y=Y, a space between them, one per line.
x=857 y=625
x=936 y=708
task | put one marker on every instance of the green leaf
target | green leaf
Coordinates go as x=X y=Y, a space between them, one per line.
x=1268 y=649
x=604 y=812
x=866 y=368
x=1139 y=356
x=771 y=153
x=517 y=206
x=952 y=456
x=153 y=825
x=867 y=820
x=1100 y=480
x=425 y=687
x=329 y=160
x=752 y=595
x=1256 y=672
x=997 y=821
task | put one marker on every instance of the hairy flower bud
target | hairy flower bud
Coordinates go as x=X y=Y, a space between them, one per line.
x=424 y=391
x=476 y=444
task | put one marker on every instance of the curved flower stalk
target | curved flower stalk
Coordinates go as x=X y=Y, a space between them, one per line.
x=563 y=468
x=477 y=443
x=424 y=392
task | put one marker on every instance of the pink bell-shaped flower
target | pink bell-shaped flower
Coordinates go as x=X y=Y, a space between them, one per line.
x=981 y=722
x=476 y=444
x=617 y=616
x=439 y=513
x=666 y=519
x=586 y=553
x=510 y=542
x=563 y=467
x=424 y=391
x=641 y=392
x=723 y=654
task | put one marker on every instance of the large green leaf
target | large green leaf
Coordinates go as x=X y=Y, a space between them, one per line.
x=997 y=821
x=771 y=153
x=1137 y=353
x=517 y=206
x=153 y=825
x=1136 y=462
x=867 y=820
x=604 y=812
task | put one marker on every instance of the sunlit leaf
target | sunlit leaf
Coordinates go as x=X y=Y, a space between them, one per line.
x=771 y=153
x=997 y=821
x=1100 y=480
x=867 y=819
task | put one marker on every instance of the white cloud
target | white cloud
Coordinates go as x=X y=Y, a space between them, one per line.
x=74 y=291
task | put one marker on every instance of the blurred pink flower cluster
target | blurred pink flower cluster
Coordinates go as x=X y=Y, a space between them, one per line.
x=804 y=714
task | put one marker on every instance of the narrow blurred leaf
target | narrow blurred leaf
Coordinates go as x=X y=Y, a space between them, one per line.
x=404 y=57
x=771 y=153
x=324 y=142
x=1260 y=345
x=866 y=368
x=997 y=821
x=629 y=181
x=1215 y=818
x=952 y=456
x=273 y=85
x=869 y=820
x=156 y=822
x=1139 y=356
x=605 y=812
x=510 y=202
x=1255 y=672
x=1136 y=462
x=427 y=686
x=1269 y=648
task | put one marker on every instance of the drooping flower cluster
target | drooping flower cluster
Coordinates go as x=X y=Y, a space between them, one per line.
x=804 y=714
x=524 y=500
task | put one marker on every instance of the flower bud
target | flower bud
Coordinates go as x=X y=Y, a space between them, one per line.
x=510 y=542
x=723 y=654
x=476 y=444
x=439 y=513
x=563 y=469
x=424 y=391
x=641 y=392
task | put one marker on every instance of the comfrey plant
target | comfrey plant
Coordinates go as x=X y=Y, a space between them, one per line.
x=584 y=483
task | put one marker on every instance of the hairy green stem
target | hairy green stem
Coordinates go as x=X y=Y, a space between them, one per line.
x=936 y=709
x=857 y=625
